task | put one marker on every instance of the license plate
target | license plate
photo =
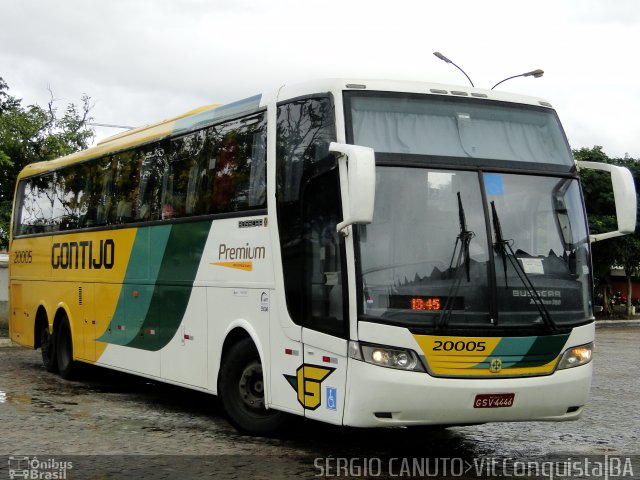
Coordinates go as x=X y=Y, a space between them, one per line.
x=494 y=400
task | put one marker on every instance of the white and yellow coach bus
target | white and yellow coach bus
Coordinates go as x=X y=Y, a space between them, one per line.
x=262 y=251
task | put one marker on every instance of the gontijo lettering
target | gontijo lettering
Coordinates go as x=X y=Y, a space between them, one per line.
x=83 y=255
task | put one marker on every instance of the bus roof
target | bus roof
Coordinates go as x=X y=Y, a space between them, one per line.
x=205 y=115
x=336 y=85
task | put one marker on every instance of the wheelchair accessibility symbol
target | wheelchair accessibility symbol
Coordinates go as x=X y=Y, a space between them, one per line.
x=331 y=398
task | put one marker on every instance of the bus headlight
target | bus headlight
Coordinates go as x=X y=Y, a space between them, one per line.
x=576 y=356
x=398 y=358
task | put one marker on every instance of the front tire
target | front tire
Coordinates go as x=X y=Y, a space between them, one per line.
x=241 y=390
x=64 y=350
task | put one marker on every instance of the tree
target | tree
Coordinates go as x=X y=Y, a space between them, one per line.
x=624 y=251
x=629 y=259
x=33 y=134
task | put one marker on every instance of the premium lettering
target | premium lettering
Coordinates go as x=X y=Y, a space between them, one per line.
x=84 y=255
x=245 y=252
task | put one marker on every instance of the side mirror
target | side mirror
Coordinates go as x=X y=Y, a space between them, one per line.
x=357 y=167
x=624 y=193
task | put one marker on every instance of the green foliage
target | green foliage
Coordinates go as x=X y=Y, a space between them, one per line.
x=598 y=193
x=34 y=134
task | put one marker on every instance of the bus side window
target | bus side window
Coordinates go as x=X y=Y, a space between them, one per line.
x=149 y=198
x=126 y=184
x=104 y=189
x=60 y=200
x=191 y=200
x=178 y=184
x=36 y=210
x=257 y=195
x=188 y=172
x=20 y=215
x=225 y=167
x=307 y=214
x=70 y=193
x=233 y=166
x=87 y=197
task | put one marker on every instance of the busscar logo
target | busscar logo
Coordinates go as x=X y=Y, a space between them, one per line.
x=307 y=383
x=250 y=223
x=541 y=293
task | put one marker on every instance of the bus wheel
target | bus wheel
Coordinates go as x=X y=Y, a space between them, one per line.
x=64 y=350
x=48 y=348
x=241 y=389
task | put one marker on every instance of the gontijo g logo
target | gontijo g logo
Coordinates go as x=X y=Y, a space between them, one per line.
x=307 y=382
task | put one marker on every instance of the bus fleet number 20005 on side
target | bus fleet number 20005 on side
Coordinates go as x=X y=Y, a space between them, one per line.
x=262 y=251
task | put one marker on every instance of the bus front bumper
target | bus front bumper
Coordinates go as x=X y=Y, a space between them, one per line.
x=380 y=397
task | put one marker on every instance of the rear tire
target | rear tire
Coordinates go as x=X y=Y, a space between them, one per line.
x=241 y=390
x=64 y=350
x=48 y=349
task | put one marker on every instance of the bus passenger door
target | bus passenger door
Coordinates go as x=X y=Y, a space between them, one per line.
x=323 y=376
x=325 y=320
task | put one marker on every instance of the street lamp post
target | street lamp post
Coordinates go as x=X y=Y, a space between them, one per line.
x=537 y=73
x=445 y=59
x=533 y=73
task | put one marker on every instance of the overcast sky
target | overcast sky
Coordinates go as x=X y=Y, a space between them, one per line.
x=145 y=60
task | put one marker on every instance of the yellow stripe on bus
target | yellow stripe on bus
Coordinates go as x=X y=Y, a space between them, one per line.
x=83 y=272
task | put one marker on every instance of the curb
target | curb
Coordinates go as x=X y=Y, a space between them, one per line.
x=617 y=323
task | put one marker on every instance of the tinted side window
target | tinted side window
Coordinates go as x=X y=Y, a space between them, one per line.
x=304 y=130
x=35 y=211
x=237 y=165
x=188 y=173
x=72 y=196
x=217 y=170
x=103 y=191
x=125 y=186
x=86 y=193
x=149 y=204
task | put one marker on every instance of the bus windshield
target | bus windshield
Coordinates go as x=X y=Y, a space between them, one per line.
x=419 y=262
x=457 y=127
x=471 y=246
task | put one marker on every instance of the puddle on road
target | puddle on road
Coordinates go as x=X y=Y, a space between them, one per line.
x=30 y=400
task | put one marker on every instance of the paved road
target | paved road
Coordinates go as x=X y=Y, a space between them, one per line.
x=123 y=417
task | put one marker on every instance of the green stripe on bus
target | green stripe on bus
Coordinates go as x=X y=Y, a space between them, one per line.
x=142 y=273
x=543 y=351
x=173 y=286
x=510 y=350
x=525 y=352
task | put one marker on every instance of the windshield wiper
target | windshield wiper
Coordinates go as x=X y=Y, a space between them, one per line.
x=503 y=247
x=463 y=239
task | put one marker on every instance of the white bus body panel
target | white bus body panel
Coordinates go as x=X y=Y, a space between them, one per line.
x=232 y=288
x=413 y=398
x=416 y=398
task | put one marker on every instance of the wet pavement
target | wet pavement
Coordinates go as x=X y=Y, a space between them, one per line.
x=118 y=416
